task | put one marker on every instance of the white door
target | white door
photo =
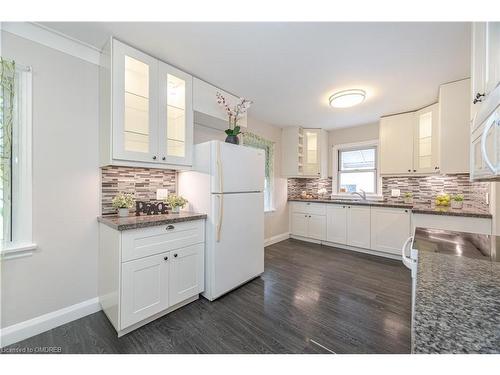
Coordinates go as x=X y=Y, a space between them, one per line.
x=175 y=115
x=185 y=280
x=426 y=148
x=358 y=226
x=396 y=144
x=237 y=168
x=299 y=224
x=135 y=104
x=390 y=227
x=144 y=288
x=336 y=227
x=316 y=227
x=238 y=248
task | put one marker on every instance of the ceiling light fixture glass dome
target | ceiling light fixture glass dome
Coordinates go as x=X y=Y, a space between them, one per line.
x=347 y=98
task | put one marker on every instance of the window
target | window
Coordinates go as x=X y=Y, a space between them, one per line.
x=15 y=151
x=357 y=170
x=253 y=140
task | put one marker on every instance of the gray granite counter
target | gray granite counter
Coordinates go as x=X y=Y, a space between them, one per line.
x=428 y=209
x=457 y=299
x=134 y=222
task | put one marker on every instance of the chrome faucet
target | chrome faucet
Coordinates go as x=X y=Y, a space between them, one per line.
x=362 y=195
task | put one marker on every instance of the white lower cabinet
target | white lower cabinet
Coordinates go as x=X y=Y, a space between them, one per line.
x=358 y=226
x=144 y=288
x=336 y=224
x=390 y=227
x=145 y=273
x=308 y=220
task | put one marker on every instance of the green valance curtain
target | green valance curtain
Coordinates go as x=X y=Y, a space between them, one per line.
x=256 y=141
x=7 y=90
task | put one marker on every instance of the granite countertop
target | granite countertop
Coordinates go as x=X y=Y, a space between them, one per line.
x=143 y=221
x=457 y=299
x=418 y=208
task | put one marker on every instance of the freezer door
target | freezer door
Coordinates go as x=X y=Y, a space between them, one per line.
x=238 y=242
x=236 y=168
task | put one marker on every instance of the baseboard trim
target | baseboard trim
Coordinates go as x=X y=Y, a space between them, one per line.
x=275 y=239
x=23 y=330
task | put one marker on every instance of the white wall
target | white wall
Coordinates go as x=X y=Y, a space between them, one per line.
x=63 y=271
x=276 y=222
x=360 y=133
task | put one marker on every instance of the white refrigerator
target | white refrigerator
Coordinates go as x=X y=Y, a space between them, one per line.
x=227 y=183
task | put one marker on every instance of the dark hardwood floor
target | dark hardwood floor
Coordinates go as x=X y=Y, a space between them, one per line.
x=311 y=299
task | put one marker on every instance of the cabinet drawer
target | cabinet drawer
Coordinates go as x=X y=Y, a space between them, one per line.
x=139 y=243
x=309 y=208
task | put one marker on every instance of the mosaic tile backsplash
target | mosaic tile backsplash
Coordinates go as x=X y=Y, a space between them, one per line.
x=424 y=189
x=142 y=183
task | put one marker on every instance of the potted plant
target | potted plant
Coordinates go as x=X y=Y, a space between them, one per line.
x=176 y=202
x=123 y=203
x=234 y=114
x=408 y=197
x=457 y=201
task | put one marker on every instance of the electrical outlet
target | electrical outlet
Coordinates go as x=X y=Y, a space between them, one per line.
x=161 y=194
x=395 y=192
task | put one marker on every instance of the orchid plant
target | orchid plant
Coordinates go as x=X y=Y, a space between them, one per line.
x=234 y=113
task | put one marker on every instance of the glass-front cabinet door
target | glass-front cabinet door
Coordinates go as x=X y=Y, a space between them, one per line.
x=135 y=104
x=175 y=115
x=311 y=151
x=426 y=155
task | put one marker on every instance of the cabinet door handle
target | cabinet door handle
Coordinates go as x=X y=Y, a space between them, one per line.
x=169 y=227
x=166 y=258
x=154 y=157
x=414 y=170
x=409 y=170
x=164 y=158
x=175 y=255
x=479 y=98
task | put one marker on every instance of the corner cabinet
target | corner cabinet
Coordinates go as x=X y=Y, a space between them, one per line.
x=304 y=152
x=146 y=110
x=409 y=142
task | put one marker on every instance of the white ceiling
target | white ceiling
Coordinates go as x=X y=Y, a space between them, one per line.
x=290 y=69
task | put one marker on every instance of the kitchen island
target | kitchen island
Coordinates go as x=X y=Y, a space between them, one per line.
x=457 y=294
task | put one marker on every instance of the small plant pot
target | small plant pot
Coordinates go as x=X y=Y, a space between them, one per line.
x=175 y=210
x=233 y=139
x=123 y=212
x=457 y=204
x=408 y=200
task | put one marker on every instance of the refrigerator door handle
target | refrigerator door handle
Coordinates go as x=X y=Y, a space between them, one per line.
x=221 y=213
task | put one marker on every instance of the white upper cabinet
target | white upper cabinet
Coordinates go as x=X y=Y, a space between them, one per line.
x=396 y=143
x=426 y=138
x=304 y=152
x=175 y=115
x=146 y=113
x=135 y=104
x=454 y=126
x=206 y=109
x=409 y=142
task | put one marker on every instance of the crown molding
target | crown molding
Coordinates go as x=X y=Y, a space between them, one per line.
x=53 y=39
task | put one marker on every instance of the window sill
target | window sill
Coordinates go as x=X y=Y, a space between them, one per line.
x=18 y=250
x=348 y=196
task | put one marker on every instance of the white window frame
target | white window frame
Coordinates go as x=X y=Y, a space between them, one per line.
x=22 y=173
x=335 y=169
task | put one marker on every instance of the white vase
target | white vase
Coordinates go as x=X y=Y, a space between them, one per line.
x=457 y=204
x=408 y=200
x=123 y=212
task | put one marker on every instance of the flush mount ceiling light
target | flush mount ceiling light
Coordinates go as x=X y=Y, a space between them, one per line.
x=347 y=98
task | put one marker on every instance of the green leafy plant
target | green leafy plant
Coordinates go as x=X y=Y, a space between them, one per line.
x=408 y=194
x=234 y=131
x=458 y=198
x=123 y=201
x=176 y=201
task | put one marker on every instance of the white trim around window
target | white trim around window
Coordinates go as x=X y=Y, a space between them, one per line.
x=335 y=168
x=22 y=181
